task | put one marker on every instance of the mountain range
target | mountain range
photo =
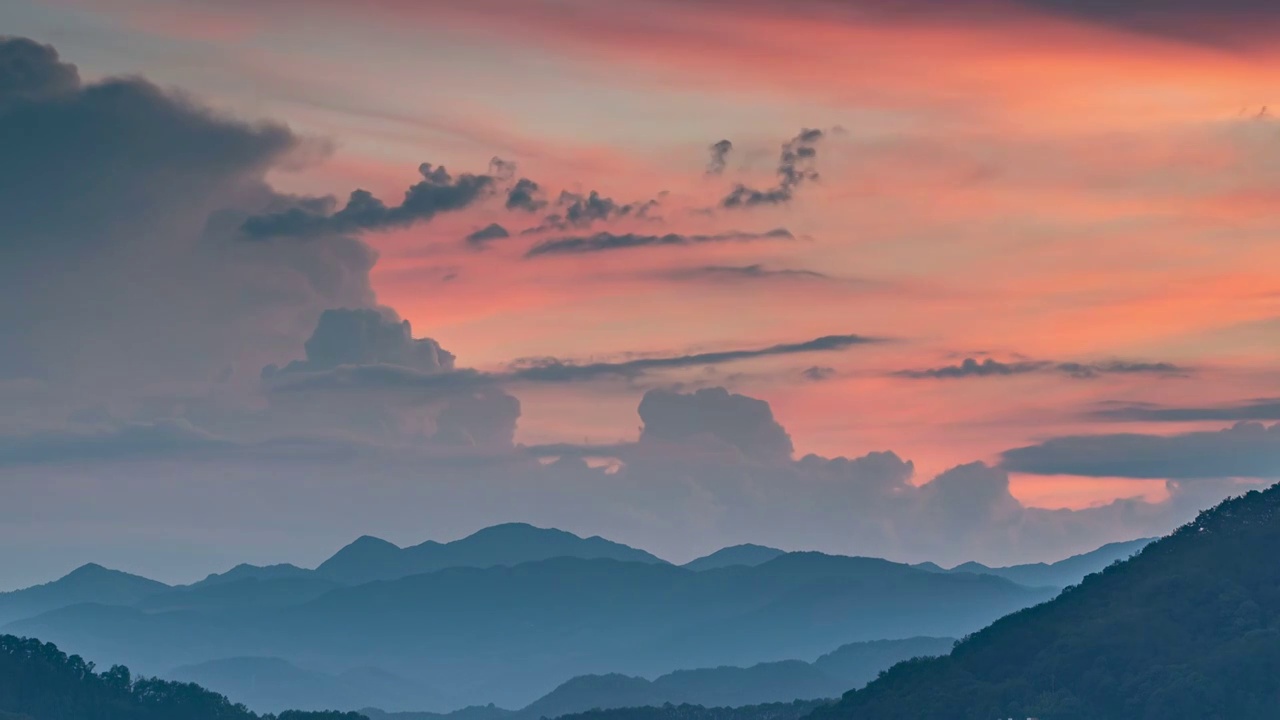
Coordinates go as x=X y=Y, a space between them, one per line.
x=265 y=683
x=1189 y=627
x=514 y=613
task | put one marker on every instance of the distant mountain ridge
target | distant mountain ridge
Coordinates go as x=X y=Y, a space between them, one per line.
x=849 y=666
x=525 y=592
x=260 y=683
x=1058 y=574
x=507 y=634
x=369 y=558
x=748 y=554
x=87 y=583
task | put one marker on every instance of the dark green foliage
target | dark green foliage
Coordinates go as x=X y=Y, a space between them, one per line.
x=1189 y=628
x=40 y=682
x=772 y=711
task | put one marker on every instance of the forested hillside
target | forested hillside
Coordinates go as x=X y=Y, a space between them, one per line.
x=40 y=682
x=1189 y=628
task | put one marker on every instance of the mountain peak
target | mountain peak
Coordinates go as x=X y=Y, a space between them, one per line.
x=89 y=570
x=369 y=541
x=746 y=554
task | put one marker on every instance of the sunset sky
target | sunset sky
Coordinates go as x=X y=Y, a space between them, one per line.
x=1039 y=235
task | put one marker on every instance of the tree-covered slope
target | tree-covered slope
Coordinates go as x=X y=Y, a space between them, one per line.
x=40 y=682
x=1189 y=628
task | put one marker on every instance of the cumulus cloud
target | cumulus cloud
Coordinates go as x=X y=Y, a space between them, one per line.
x=719 y=157
x=485 y=418
x=707 y=469
x=606 y=241
x=480 y=238
x=795 y=168
x=1245 y=450
x=972 y=368
x=366 y=337
x=742 y=422
x=437 y=192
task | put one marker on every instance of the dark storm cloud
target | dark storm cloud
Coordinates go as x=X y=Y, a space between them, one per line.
x=437 y=192
x=795 y=167
x=481 y=237
x=1245 y=450
x=719 y=157
x=1260 y=409
x=740 y=272
x=605 y=241
x=31 y=72
x=971 y=368
x=122 y=199
x=525 y=195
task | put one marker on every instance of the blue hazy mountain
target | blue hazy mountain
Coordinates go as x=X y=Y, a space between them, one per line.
x=1188 y=628
x=272 y=684
x=509 y=634
x=89 y=583
x=849 y=666
x=244 y=571
x=250 y=592
x=736 y=555
x=370 y=558
x=263 y=683
x=1059 y=574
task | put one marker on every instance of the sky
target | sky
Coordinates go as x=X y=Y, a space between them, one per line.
x=980 y=280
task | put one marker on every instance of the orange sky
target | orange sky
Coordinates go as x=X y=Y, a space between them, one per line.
x=1004 y=184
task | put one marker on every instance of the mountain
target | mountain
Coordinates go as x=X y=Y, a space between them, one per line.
x=857 y=664
x=369 y=558
x=260 y=683
x=40 y=682
x=1059 y=574
x=509 y=634
x=283 y=571
x=851 y=665
x=736 y=555
x=1188 y=628
x=773 y=711
x=89 y=583
x=249 y=592
x=474 y=712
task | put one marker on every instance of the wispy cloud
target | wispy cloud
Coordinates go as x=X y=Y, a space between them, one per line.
x=972 y=368
x=606 y=241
